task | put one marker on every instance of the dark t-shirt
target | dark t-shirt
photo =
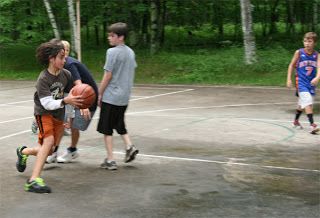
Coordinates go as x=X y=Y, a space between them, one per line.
x=80 y=72
x=55 y=86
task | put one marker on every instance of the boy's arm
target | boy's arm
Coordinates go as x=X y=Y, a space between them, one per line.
x=317 y=78
x=104 y=83
x=291 y=67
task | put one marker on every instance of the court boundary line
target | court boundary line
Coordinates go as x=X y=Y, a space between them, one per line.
x=177 y=109
x=222 y=162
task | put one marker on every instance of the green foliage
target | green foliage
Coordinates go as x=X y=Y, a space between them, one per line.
x=189 y=66
x=219 y=66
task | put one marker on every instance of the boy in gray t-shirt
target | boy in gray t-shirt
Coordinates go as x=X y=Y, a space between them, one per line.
x=114 y=93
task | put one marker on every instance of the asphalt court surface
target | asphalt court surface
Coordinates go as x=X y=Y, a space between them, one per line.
x=205 y=151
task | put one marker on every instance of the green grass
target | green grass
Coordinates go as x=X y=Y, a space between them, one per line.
x=182 y=66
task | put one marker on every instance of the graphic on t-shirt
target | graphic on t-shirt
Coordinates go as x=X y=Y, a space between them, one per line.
x=56 y=90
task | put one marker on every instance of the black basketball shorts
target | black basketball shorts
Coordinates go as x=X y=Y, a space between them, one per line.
x=112 y=117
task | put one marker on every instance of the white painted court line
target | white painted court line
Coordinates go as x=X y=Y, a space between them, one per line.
x=157 y=87
x=14 y=134
x=216 y=86
x=182 y=108
x=164 y=94
x=9 y=121
x=16 y=102
x=222 y=162
x=214 y=106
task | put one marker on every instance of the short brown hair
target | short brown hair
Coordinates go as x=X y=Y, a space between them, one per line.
x=311 y=35
x=48 y=50
x=121 y=29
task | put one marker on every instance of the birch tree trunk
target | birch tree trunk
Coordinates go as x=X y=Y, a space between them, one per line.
x=73 y=25
x=248 y=37
x=51 y=18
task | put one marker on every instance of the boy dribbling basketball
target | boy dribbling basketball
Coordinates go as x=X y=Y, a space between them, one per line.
x=49 y=104
x=307 y=78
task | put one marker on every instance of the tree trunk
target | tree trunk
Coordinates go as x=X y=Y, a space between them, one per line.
x=315 y=15
x=162 y=18
x=96 y=30
x=236 y=21
x=154 y=16
x=290 y=19
x=72 y=21
x=273 y=17
x=145 y=23
x=248 y=36
x=218 y=17
x=52 y=20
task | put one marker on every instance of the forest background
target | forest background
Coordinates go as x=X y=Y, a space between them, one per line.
x=176 y=41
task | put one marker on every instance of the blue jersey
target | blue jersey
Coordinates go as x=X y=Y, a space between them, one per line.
x=306 y=71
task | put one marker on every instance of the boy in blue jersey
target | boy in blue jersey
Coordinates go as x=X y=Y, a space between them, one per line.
x=305 y=61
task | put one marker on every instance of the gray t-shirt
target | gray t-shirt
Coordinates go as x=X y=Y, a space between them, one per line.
x=55 y=86
x=120 y=61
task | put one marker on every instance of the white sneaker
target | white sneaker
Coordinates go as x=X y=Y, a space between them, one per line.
x=67 y=157
x=52 y=158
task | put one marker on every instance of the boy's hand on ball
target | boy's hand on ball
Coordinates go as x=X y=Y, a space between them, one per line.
x=73 y=100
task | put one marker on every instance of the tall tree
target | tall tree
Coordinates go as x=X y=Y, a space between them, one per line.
x=290 y=17
x=52 y=19
x=154 y=16
x=315 y=22
x=273 y=16
x=73 y=25
x=248 y=36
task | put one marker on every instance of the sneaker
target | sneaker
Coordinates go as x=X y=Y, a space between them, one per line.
x=22 y=159
x=296 y=124
x=67 y=156
x=112 y=165
x=34 y=127
x=131 y=154
x=52 y=158
x=314 y=129
x=37 y=186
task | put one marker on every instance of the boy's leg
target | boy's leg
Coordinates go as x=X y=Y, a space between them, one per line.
x=50 y=134
x=109 y=162
x=58 y=134
x=109 y=146
x=35 y=183
x=313 y=127
x=131 y=150
x=77 y=123
x=71 y=152
x=296 y=123
x=41 y=156
x=23 y=152
x=127 y=141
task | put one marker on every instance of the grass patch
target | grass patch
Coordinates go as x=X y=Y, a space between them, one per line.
x=182 y=66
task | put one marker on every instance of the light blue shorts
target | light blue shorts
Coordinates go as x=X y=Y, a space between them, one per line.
x=79 y=122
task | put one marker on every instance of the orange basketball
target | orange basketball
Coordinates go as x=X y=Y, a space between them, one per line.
x=87 y=93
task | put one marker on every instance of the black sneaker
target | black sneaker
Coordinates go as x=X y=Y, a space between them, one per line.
x=37 y=186
x=112 y=165
x=131 y=154
x=22 y=159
